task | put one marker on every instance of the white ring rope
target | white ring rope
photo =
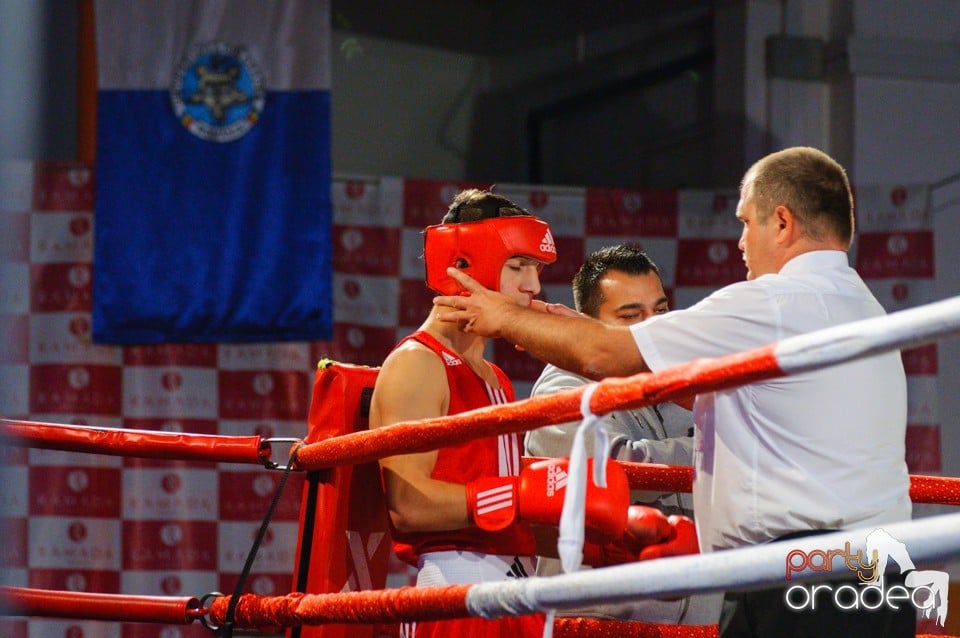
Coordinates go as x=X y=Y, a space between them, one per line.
x=862 y=338
x=926 y=540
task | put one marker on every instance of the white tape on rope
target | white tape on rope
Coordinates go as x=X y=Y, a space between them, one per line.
x=573 y=516
x=870 y=336
x=926 y=540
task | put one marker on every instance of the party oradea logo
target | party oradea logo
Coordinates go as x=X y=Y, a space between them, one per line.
x=926 y=590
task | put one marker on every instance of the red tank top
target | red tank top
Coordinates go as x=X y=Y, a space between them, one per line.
x=488 y=456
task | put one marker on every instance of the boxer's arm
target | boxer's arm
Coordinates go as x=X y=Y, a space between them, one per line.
x=412 y=384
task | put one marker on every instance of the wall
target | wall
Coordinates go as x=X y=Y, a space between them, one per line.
x=630 y=105
x=410 y=110
x=400 y=109
x=38 y=45
x=887 y=104
x=906 y=128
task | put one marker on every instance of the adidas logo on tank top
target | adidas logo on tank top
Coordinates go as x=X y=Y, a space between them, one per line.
x=450 y=360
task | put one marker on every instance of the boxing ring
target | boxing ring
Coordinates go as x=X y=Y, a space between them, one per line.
x=339 y=595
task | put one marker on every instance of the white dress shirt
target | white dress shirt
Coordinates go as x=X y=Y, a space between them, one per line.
x=818 y=450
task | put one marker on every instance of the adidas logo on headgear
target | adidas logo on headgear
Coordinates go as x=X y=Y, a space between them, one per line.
x=547 y=245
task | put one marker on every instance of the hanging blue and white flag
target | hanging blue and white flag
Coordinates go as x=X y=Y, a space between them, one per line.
x=213 y=213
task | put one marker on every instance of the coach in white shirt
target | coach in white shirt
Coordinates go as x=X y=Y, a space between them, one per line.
x=819 y=450
x=788 y=457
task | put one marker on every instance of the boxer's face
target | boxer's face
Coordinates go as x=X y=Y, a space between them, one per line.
x=520 y=279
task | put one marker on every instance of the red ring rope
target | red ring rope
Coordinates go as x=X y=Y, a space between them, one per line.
x=252 y=449
x=20 y=601
x=136 y=443
x=940 y=490
x=372 y=606
x=301 y=609
x=578 y=627
x=614 y=393
x=575 y=627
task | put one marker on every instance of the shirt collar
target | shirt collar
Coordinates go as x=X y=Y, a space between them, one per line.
x=815 y=260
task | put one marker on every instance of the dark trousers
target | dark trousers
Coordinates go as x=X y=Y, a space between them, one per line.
x=764 y=614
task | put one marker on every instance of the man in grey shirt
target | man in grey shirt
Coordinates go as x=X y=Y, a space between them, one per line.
x=621 y=285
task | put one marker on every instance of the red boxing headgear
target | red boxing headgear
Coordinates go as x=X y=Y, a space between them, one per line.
x=485 y=246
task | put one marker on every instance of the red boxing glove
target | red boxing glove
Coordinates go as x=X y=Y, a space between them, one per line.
x=612 y=553
x=645 y=526
x=492 y=502
x=682 y=540
x=536 y=496
x=542 y=489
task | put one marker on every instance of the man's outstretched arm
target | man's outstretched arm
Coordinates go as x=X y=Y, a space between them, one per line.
x=579 y=344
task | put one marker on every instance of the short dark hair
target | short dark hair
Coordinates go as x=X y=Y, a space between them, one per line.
x=811 y=184
x=474 y=204
x=627 y=258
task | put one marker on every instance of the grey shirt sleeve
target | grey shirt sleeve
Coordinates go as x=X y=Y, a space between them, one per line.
x=675 y=451
x=640 y=436
x=554 y=440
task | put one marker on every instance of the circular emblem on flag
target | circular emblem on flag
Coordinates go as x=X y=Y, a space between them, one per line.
x=217 y=92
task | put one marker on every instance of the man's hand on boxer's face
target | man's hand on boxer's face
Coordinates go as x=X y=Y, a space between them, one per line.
x=477 y=310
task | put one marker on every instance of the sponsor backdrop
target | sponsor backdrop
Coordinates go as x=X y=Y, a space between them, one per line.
x=103 y=524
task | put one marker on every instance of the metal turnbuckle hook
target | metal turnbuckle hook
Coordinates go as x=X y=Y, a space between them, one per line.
x=268 y=461
x=205 y=618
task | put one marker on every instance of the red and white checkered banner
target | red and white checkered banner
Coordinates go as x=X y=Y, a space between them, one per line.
x=894 y=254
x=153 y=527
